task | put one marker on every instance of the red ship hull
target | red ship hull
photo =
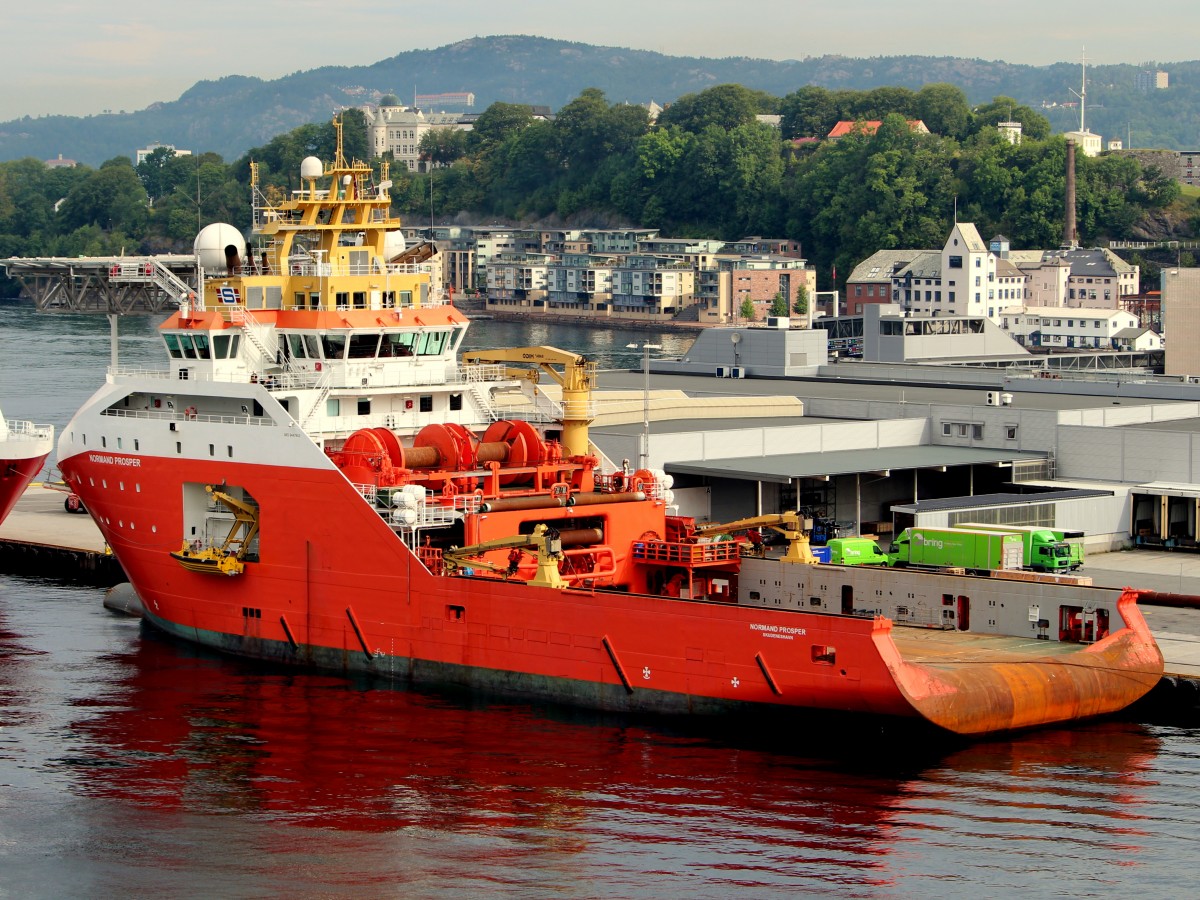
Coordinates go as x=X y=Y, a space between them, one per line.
x=339 y=590
x=15 y=476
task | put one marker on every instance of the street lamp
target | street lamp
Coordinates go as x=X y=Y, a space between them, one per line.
x=644 y=455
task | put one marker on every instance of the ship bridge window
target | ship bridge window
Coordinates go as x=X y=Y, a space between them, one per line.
x=405 y=298
x=398 y=344
x=432 y=343
x=225 y=346
x=363 y=346
x=297 y=346
x=333 y=346
x=173 y=345
x=202 y=346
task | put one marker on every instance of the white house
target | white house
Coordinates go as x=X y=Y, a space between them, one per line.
x=1083 y=329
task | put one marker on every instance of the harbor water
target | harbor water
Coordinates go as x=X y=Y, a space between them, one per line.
x=131 y=765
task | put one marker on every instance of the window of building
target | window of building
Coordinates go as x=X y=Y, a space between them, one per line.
x=1010 y=432
x=956 y=262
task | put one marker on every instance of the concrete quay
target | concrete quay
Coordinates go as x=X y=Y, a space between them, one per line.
x=41 y=538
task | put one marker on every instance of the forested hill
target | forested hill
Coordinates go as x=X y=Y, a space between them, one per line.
x=236 y=113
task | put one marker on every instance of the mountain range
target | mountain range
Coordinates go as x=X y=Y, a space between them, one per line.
x=234 y=114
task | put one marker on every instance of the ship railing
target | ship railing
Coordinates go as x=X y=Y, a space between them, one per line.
x=672 y=553
x=182 y=415
x=21 y=430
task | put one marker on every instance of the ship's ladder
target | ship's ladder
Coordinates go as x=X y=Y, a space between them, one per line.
x=323 y=387
x=255 y=331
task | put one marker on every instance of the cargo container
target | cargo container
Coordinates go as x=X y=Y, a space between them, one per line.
x=972 y=550
x=1043 y=549
x=856 y=551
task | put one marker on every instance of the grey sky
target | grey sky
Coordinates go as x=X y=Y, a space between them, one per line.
x=79 y=57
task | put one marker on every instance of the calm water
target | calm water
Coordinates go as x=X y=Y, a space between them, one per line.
x=134 y=766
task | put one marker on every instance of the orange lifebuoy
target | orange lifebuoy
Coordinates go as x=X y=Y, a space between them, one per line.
x=190 y=412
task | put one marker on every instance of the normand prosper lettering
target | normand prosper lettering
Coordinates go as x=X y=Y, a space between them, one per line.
x=107 y=460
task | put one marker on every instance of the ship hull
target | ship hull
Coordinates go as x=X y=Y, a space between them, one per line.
x=335 y=588
x=16 y=472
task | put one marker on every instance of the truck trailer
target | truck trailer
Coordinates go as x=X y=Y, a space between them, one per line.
x=962 y=548
x=1044 y=549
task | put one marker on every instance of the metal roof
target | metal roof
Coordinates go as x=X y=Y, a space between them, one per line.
x=786 y=466
x=980 y=501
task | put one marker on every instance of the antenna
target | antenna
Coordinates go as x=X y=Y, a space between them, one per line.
x=1082 y=95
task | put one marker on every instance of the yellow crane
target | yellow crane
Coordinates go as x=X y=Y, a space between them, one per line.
x=577 y=378
x=789 y=524
x=230 y=557
x=544 y=541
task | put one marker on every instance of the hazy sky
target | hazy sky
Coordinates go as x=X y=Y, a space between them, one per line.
x=77 y=57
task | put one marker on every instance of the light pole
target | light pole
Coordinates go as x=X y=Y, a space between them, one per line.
x=644 y=455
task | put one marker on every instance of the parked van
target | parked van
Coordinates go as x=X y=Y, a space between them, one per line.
x=856 y=551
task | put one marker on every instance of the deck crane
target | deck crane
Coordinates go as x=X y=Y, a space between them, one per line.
x=789 y=524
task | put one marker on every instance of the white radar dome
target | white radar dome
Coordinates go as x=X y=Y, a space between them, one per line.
x=393 y=244
x=311 y=167
x=212 y=244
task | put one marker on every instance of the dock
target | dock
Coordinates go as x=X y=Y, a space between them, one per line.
x=41 y=538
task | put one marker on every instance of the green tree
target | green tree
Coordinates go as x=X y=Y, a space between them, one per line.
x=801 y=305
x=809 y=112
x=497 y=122
x=944 y=110
x=725 y=106
x=110 y=198
x=443 y=146
x=746 y=310
x=779 y=305
x=1034 y=126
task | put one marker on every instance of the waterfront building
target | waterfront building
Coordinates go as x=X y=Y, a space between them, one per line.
x=1074 y=328
x=139 y=156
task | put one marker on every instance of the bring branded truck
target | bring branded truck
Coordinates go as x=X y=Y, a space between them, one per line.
x=1044 y=549
x=975 y=550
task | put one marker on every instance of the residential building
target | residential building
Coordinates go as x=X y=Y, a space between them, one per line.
x=581 y=282
x=1151 y=79
x=871 y=279
x=1188 y=166
x=1090 y=144
x=843 y=128
x=759 y=278
x=519 y=280
x=1098 y=277
x=1067 y=328
x=960 y=280
x=652 y=287
x=399 y=129
x=139 y=156
x=60 y=163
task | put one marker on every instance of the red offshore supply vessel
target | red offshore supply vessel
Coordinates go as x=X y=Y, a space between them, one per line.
x=320 y=479
x=24 y=448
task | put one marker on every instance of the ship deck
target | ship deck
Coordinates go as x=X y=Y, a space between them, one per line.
x=930 y=646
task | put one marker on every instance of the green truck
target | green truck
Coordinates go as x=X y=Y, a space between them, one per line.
x=1044 y=549
x=856 y=551
x=963 y=548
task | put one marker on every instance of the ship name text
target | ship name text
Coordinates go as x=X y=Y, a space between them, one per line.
x=109 y=460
